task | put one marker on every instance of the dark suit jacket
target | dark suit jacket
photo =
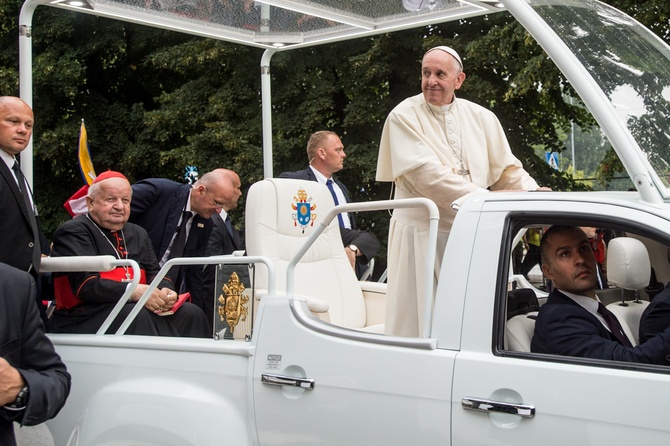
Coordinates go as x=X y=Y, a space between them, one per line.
x=366 y=242
x=25 y=346
x=15 y=250
x=656 y=317
x=563 y=327
x=221 y=240
x=157 y=205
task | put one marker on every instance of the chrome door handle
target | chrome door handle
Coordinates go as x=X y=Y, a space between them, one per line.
x=483 y=405
x=281 y=380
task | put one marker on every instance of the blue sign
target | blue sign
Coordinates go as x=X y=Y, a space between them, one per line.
x=552 y=159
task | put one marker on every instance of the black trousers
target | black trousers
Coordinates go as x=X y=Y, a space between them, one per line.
x=188 y=321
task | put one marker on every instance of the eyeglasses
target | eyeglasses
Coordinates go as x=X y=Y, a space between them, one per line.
x=218 y=205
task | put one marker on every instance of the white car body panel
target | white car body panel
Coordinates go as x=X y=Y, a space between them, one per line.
x=174 y=391
x=376 y=389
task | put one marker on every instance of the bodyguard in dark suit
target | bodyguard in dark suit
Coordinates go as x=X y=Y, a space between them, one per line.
x=34 y=382
x=573 y=322
x=22 y=249
x=162 y=207
x=325 y=153
x=656 y=317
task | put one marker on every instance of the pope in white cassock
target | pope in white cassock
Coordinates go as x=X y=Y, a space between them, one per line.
x=437 y=146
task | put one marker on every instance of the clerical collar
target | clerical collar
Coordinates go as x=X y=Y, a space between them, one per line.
x=442 y=108
x=121 y=248
x=114 y=234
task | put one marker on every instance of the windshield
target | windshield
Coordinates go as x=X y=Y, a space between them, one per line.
x=628 y=62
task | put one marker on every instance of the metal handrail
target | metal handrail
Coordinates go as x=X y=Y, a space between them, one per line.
x=195 y=261
x=96 y=264
x=434 y=217
x=108 y=263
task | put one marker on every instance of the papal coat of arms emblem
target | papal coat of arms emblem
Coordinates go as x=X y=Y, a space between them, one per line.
x=303 y=207
x=234 y=304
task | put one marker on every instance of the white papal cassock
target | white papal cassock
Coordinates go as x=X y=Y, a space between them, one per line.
x=442 y=153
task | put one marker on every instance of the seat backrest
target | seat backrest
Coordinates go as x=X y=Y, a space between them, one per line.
x=280 y=215
x=519 y=332
x=628 y=267
x=522 y=308
x=521 y=301
x=629 y=313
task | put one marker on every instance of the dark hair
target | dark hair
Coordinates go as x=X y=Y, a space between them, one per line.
x=555 y=229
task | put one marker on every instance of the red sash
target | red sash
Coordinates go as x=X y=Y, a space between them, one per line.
x=63 y=291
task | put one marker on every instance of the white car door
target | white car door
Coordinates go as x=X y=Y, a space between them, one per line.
x=314 y=383
x=525 y=398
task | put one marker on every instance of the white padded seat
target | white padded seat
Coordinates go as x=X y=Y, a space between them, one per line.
x=522 y=308
x=280 y=215
x=629 y=268
x=629 y=313
x=519 y=332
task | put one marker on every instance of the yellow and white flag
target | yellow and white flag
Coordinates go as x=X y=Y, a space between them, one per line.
x=76 y=204
x=85 y=163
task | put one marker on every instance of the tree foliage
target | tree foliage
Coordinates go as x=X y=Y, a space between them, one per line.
x=656 y=16
x=155 y=102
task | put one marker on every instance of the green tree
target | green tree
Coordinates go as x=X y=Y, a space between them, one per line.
x=155 y=101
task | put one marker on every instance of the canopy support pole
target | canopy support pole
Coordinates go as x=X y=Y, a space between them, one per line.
x=26 y=77
x=266 y=98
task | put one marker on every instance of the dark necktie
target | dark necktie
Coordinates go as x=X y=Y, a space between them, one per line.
x=23 y=186
x=234 y=235
x=614 y=325
x=177 y=248
x=329 y=183
x=179 y=242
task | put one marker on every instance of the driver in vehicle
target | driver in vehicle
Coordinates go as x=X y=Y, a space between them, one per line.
x=573 y=321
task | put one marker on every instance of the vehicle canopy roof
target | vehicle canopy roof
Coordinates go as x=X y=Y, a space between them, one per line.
x=280 y=24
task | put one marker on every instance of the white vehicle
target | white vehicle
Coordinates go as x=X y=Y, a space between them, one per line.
x=316 y=367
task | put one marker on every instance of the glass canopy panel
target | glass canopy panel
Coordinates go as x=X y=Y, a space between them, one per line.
x=630 y=64
x=286 y=22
